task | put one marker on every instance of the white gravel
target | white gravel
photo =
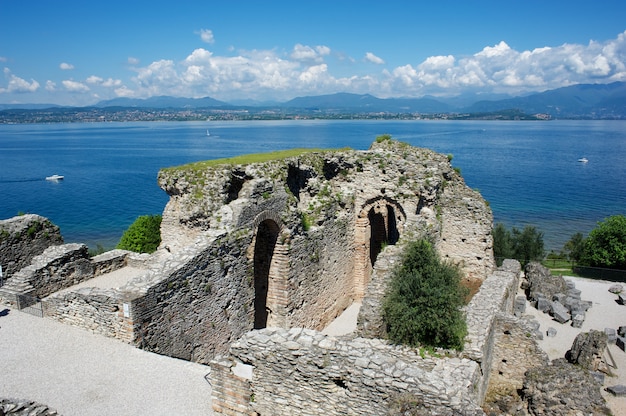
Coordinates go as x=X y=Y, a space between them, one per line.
x=79 y=373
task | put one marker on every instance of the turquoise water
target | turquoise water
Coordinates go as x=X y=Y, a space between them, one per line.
x=528 y=171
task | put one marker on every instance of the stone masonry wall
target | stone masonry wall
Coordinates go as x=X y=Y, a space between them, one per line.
x=302 y=372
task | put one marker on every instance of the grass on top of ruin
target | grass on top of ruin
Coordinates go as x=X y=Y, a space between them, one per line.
x=249 y=158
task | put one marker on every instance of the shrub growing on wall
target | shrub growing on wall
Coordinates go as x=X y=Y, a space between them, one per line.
x=422 y=306
x=143 y=235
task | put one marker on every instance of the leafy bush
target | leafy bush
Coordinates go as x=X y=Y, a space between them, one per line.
x=606 y=244
x=143 y=235
x=423 y=302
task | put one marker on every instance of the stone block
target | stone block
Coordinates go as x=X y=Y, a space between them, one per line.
x=611 y=335
x=543 y=304
x=598 y=376
x=560 y=313
x=621 y=343
x=622 y=331
x=570 y=284
x=560 y=297
x=577 y=320
x=616 y=288
x=621 y=299
x=574 y=293
x=539 y=335
x=618 y=390
x=551 y=332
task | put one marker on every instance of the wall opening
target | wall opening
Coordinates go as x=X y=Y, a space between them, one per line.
x=376 y=226
x=266 y=236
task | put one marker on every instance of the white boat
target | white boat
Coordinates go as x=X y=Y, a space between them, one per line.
x=55 y=178
x=583 y=160
x=207 y=132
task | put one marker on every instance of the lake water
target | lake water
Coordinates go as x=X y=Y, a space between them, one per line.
x=528 y=171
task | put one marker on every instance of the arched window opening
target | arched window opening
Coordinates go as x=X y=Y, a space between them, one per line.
x=393 y=233
x=266 y=237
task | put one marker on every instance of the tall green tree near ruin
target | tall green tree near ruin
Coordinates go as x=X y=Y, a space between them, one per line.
x=422 y=306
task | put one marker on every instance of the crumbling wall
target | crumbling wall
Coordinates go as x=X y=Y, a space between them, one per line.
x=24 y=237
x=302 y=372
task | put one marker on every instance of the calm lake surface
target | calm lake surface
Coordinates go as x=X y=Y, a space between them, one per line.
x=528 y=171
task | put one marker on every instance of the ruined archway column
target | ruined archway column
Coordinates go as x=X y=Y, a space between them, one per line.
x=362 y=263
x=277 y=291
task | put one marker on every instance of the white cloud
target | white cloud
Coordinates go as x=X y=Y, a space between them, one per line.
x=74 y=86
x=110 y=82
x=370 y=57
x=51 y=86
x=65 y=66
x=132 y=61
x=17 y=84
x=305 y=53
x=207 y=36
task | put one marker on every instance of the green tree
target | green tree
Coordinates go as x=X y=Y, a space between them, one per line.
x=606 y=244
x=575 y=247
x=143 y=235
x=502 y=244
x=527 y=245
x=524 y=246
x=422 y=305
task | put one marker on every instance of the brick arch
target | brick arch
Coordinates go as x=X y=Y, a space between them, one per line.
x=378 y=223
x=271 y=270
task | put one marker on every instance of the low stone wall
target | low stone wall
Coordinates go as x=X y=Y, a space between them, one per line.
x=303 y=372
x=98 y=310
x=496 y=294
x=17 y=407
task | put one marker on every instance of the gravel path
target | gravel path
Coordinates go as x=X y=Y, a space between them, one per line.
x=79 y=373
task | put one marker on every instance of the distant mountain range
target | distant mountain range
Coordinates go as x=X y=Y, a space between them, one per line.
x=596 y=101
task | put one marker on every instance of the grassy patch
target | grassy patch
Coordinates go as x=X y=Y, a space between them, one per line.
x=246 y=159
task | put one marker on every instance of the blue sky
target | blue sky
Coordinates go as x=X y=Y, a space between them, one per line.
x=81 y=52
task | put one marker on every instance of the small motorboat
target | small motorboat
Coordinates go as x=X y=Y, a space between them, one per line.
x=55 y=178
x=583 y=160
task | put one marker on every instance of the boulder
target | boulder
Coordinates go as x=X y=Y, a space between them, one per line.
x=587 y=350
x=618 y=390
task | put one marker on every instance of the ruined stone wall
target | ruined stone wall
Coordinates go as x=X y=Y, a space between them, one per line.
x=515 y=351
x=496 y=295
x=302 y=372
x=24 y=237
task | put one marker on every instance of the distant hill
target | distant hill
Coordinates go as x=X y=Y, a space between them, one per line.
x=576 y=101
x=367 y=103
x=584 y=101
x=163 y=102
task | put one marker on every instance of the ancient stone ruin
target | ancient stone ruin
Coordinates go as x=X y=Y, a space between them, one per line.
x=257 y=258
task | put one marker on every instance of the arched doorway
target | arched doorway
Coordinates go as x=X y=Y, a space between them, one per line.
x=376 y=226
x=267 y=234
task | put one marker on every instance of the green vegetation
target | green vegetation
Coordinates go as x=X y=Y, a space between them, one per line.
x=245 y=159
x=524 y=246
x=143 y=235
x=383 y=138
x=422 y=306
x=605 y=246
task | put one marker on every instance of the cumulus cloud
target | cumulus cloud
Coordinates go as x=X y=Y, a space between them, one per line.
x=65 y=66
x=74 y=86
x=312 y=70
x=207 y=36
x=305 y=53
x=370 y=57
x=18 y=85
x=499 y=68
